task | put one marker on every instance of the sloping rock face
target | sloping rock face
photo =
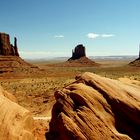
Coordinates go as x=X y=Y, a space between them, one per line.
x=95 y=108
x=81 y=62
x=14 y=65
x=135 y=63
x=6 y=48
x=79 y=58
x=16 y=123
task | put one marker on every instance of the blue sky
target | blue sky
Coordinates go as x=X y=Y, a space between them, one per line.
x=51 y=28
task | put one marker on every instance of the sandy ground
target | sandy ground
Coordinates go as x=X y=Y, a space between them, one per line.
x=36 y=92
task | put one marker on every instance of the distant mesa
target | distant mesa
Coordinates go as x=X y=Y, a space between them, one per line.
x=10 y=60
x=78 y=52
x=136 y=62
x=79 y=57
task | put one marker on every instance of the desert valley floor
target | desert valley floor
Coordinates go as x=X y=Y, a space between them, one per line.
x=36 y=92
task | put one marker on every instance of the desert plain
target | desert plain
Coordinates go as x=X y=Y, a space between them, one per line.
x=35 y=92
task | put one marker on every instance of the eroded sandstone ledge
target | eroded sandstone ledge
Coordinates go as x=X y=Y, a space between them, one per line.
x=95 y=108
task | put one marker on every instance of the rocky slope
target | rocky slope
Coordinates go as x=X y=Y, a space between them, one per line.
x=135 y=63
x=16 y=123
x=95 y=108
x=81 y=62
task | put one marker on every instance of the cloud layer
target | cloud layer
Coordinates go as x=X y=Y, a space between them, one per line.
x=94 y=35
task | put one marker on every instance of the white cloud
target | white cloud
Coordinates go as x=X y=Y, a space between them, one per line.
x=107 y=35
x=95 y=35
x=58 y=36
x=92 y=35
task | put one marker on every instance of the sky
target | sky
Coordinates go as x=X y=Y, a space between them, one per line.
x=52 y=28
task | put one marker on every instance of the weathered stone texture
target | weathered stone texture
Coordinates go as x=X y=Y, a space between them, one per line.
x=96 y=108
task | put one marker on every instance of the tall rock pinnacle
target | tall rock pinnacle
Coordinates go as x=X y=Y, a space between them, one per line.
x=6 y=48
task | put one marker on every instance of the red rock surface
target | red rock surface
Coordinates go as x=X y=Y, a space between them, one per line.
x=81 y=62
x=6 y=48
x=95 y=108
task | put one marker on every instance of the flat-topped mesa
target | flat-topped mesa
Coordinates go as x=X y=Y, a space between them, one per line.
x=6 y=48
x=78 y=52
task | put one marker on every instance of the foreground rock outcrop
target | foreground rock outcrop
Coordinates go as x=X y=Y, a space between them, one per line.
x=95 y=108
x=16 y=123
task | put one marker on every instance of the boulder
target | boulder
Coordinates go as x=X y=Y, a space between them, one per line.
x=95 y=108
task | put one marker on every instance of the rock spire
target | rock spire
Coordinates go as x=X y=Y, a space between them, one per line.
x=6 y=48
